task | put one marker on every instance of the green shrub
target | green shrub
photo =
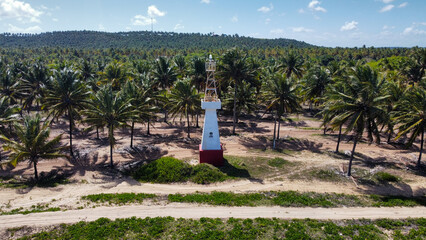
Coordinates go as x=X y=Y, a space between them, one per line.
x=168 y=169
x=164 y=170
x=118 y=198
x=205 y=173
x=386 y=177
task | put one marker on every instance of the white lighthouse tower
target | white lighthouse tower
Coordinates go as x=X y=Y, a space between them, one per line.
x=211 y=150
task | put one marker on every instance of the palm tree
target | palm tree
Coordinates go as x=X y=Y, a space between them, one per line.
x=111 y=110
x=316 y=82
x=180 y=64
x=184 y=100
x=142 y=103
x=410 y=115
x=115 y=74
x=33 y=143
x=67 y=96
x=281 y=95
x=246 y=99
x=165 y=75
x=198 y=76
x=234 y=68
x=8 y=114
x=8 y=86
x=360 y=106
x=34 y=84
x=292 y=64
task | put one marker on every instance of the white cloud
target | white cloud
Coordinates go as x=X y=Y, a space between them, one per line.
x=22 y=11
x=267 y=21
x=179 y=26
x=15 y=29
x=277 y=31
x=386 y=27
x=387 y=8
x=387 y=1
x=205 y=1
x=349 y=26
x=301 y=10
x=55 y=20
x=101 y=27
x=414 y=30
x=154 y=12
x=234 y=19
x=266 y=9
x=314 y=5
x=404 y=4
x=140 y=20
x=301 y=29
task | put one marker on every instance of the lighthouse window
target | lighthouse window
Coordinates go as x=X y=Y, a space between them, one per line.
x=211 y=134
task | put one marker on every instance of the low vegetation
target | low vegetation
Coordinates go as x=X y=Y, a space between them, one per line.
x=168 y=169
x=259 y=228
x=272 y=198
x=33 y=209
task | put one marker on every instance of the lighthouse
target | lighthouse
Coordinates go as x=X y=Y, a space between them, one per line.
x=211 y=150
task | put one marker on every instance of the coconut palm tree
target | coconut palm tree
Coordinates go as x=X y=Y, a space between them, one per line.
x=198 y=76
x=184 y=100
x=8 y=114
x=281 y=95
x=410 y=115
x=34 y=84
x=316 y=81
x=292 y=64
x=142 y=103
x=111 y=110
x=234 y=68
x=361 y=106
x=180 y=63
x=165 y=75
x=116 y=74
x=33 y=143
x=67 y=96
x=246 y=99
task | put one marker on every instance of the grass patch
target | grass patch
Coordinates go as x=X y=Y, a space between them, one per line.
x=259 y=228
x=118 y=198
x=168 y=170
x=297 y=199
x=385 y=177
x=34 y=209
x=322 y=174
x=310 y=128
x=278 y=162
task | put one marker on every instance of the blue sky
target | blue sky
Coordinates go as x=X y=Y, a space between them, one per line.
x=331 y=23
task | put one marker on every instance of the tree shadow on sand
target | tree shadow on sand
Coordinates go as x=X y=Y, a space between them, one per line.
x=283 y=145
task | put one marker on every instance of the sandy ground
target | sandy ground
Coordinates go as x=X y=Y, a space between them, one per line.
x=196 y=212
x=90 y=176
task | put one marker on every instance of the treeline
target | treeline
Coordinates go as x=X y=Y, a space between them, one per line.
x=365 y=98
x=142 y=39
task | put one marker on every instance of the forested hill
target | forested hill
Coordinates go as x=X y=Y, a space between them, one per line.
x=143 y=39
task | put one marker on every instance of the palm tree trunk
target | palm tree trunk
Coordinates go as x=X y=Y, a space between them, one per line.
x=235 y=110
x=338 y=138
x=389 y=137
x=111 y=146
x=35 y=170
x=352 y=156
x=187 y=120
x=70 y=120
x=97 y=132
x=275 y=127
x=197 y=126
x=279 y=126
x=421 y=147
x=131 y=133
x=147 y=127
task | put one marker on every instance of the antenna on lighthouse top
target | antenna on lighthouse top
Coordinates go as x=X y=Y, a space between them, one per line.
x=211 y=92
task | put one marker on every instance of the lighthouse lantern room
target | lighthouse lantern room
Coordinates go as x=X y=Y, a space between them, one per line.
x=211 y=150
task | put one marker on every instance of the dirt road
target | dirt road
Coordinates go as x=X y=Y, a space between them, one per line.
x=198 y=211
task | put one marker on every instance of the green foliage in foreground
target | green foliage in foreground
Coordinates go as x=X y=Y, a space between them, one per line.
x=259 y=228
x=118 y=198
x=168 y=169
x=34 y=209
x=284 y=199
x=296 y=199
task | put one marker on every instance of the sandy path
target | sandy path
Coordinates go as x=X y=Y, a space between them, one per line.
x=196 y=212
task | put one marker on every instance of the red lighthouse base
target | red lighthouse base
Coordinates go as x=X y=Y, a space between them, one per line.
x=213 y=157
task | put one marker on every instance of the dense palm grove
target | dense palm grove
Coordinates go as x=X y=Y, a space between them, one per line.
x=366 y=93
